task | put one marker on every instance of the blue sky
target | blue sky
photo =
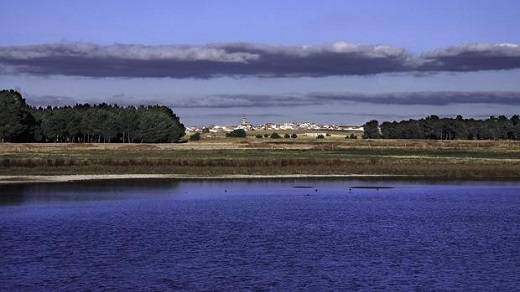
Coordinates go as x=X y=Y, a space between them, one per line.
x=342 y=62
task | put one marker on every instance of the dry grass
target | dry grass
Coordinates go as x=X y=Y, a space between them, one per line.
x=423 y=158
x=252 y=143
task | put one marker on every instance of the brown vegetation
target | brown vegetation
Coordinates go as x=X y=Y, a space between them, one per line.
x=414 y=158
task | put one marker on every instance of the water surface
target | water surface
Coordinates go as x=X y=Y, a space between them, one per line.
x=278 y=235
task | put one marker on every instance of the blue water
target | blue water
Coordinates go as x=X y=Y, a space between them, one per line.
x=268 y=235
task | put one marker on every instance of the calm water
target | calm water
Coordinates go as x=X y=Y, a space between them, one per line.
x=260 y=235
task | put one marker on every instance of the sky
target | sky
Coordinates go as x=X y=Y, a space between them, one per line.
x=331 y=62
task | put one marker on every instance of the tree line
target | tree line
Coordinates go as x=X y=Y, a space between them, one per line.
x=436 y=128
x=97 y=123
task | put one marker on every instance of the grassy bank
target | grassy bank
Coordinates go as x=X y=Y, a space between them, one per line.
x=424 y=159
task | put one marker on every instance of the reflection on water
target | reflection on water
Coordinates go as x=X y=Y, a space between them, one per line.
x=82 y=190
x=99 y=190
x=11 y=194
x=282 y=235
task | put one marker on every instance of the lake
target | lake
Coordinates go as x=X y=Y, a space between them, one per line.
x=260 y=235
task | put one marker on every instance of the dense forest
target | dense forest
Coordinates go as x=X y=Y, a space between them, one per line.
x=437 y=128
x=98 y=123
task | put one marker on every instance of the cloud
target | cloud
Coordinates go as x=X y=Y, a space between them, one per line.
x=49 y=100
x=435 y=98
x=440 y=98
x=227 y=59
x=227 y=101
x=475 y=57
x=247 y=101
x=389 y=116
x=248 y=60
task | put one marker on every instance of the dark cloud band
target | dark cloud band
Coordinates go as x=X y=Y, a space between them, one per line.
x=227 y=101
x=440 y=98
x=476 y=57
x=248 y=60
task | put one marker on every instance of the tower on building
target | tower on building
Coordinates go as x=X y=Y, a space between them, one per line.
x=244 y=123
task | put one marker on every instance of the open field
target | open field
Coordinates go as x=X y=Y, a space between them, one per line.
x=251 y=156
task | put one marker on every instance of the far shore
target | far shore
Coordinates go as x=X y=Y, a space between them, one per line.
x=34 y=179
x=29 y=179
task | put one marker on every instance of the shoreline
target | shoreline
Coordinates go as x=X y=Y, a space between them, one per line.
x=29 y=179
x=37 y=179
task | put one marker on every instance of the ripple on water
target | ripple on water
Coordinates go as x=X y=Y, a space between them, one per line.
x=264 y=236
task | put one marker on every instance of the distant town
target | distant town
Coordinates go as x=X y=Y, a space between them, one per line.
x=245 y=125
